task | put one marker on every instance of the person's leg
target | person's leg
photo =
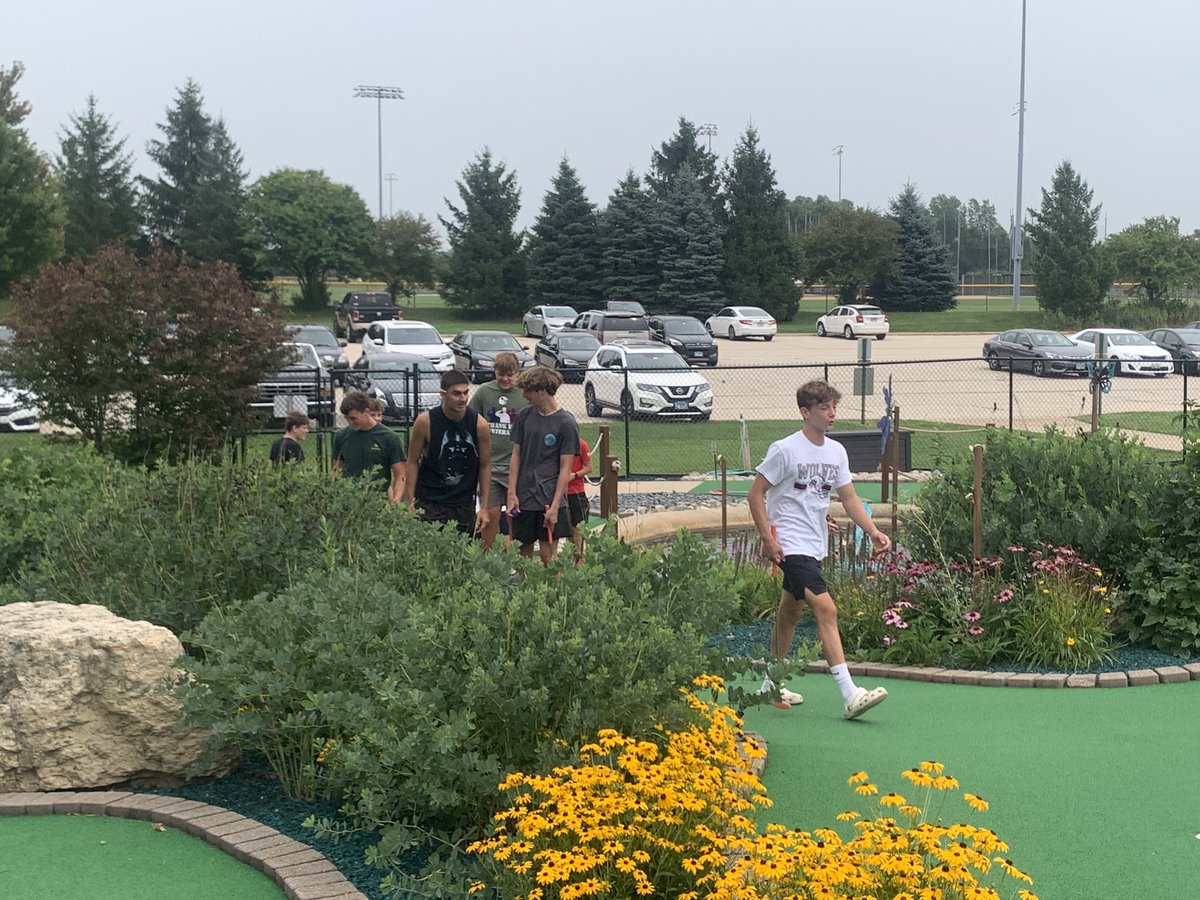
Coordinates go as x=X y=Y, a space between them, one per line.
x=787 y=617
x=497 y=494
x=857 y=700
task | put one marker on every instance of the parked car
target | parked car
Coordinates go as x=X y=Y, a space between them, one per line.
x=331 y=352
x=1040 y=351
x=625 y=306
x=1182 y=343
x=302 y=385
x=607 y=327
x=1133 y=352
x=541 y=320
x=18 y=408
x=645 y=378
x=475 y=351
x=407 y=383
x=359 y=309
x=741 y=322
x=855 y=320
x=685 y=335
x=568 y=354
x=409 y=337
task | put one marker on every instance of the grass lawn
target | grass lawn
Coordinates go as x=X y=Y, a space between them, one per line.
x=1156 y=422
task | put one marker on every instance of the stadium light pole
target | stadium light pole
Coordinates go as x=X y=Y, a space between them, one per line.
x=837 y=151
x=390 y=178
x=707 y=129
x=1018 y=240
x=379 y=93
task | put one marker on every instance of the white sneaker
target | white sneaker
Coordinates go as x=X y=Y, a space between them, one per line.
x=862 y=700
x=787 y=699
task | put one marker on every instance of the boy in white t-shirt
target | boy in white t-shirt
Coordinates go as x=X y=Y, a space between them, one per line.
x=791 y=492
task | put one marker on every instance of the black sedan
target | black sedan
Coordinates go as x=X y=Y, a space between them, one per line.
x=1037 y=350
x=407 y=383
x=1183 y=344
x=566 y=353
x=475 y=351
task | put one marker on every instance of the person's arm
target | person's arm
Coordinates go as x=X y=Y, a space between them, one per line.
x=585 y=457
x=417 y=442
x=335 y=468
x=851 y=502
x=514 y=468
x=483 y=439
x=396 y=489
x=560 y=489
x=758 y=511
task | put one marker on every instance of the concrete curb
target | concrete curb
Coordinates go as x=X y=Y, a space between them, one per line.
x=935 y=675
x=300 y=871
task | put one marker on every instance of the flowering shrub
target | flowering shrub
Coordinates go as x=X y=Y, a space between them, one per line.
x=1040 y=607
x=636 y=818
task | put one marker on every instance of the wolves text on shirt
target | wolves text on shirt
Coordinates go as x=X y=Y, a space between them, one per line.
x=816 y=477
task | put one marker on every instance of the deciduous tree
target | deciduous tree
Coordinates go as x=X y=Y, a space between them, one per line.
x=1072 y=273
x=404 y=253
x=762 y=260
x=848 y=250
x=564 y=250
x=1155 y=256
x=629 y=234
x=923 y=281
x=95 y=183
x=486 y=273
x=311 y=227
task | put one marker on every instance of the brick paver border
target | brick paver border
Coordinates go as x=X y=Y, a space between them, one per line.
x=302 y=872
x=1135 y=678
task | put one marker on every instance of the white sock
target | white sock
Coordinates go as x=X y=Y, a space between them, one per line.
x=841 y=674
x=767 y=685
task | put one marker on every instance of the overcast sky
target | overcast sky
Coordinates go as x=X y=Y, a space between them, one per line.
x=922 y=91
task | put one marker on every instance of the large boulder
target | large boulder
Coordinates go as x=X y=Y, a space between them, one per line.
x=85 y=702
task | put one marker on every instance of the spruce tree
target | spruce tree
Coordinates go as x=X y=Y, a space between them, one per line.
x=95 y=183
x=1073 y=276
x=681 y=150
x=762 y=262
x=923 y=281
x=564 y=250
x=629 y=232
x=690 y=251
x=486 y=274
x=196 y=202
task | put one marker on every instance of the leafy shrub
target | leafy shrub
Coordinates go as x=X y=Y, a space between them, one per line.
x=1165 y=609
x=756 y=583
x=425 y=671
x=1087 y=491
x=633 y=819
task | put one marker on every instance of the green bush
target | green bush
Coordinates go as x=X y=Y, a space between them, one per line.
x=1087 y=491
x=1165 y=609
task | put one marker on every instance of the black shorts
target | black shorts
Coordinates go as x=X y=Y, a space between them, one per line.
x=579 y=508
x=801 y=572
x=462 y=515
x=528 y=527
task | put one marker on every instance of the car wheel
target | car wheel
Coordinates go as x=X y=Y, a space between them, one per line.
x=1039 y=368
x=1117 y=369
x=732 y=334
x=626 y=403
x=848 y=333
x=589 y=402
x=821 y=329
x=337 y=329
x=525 y=328
x=993 y=362
x=708 y=328
x=880 y=337
x=767 y=337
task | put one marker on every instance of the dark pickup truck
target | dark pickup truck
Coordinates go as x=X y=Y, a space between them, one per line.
x=359 y=309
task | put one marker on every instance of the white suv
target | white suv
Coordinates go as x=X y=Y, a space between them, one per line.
x=420 y=338
x=644 y=378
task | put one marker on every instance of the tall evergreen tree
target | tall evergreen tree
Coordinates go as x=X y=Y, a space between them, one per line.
x=564 y=250
x=629 y=235
x=762 y=260
x=486 y=273
x=924 y=281
x=95 y=183
x=683 y=149
x=1073 y=275
x=196 y=202
x=690 y=250
x=31 y=217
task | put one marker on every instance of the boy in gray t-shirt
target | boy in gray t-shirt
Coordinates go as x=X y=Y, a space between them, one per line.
x=498 y=402
x=545 y=439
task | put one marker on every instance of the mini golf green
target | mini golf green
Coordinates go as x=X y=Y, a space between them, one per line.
x=1095 y=790
x=868 y=490
x=106 y=858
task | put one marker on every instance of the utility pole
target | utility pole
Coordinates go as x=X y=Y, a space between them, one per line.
x=837 y=151
x=390 y=178
x=1018 y=239
x=707 y=129
x=379 y=93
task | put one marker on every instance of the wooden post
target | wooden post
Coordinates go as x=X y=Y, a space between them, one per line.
x=977 y=520
x=609 y=472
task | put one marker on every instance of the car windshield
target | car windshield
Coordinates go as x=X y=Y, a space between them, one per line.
x=1128 y=340
x=685 y=327
x=665 y=360
x=1050 y=339
x=578 y=342
x=558 y=312
x=317 y=336
x=412 y=336
x=490 y=342
x=747 y=311
x=303 y=356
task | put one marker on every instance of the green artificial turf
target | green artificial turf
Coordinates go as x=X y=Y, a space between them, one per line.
x=1095 y=790
x=868 y=490
x=104 y=858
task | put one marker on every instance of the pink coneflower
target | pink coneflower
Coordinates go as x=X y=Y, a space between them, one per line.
x=975 y=629
x=1004 y=596
x=972 y=616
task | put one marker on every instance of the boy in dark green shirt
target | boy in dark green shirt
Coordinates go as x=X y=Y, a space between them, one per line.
x=365 y=448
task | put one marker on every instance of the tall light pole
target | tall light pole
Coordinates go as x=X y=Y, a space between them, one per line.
x=1018 y=241
x=379 y=93
x=710 y=130
x=837 y=151
x=390 y=178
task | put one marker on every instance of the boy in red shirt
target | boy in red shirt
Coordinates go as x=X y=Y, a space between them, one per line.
x=577 y=501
